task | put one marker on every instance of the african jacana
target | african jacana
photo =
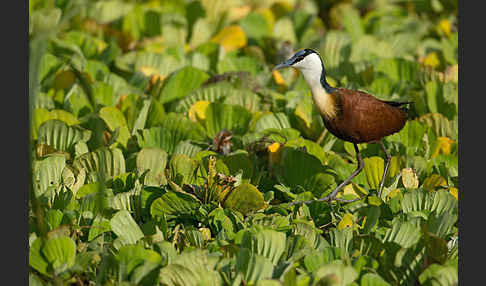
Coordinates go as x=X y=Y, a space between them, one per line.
x=350 y=115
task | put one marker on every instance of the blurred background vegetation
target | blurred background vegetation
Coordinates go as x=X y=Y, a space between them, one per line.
x=130 y=99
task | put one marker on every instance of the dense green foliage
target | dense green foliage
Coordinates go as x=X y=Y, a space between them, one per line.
x=165 y=151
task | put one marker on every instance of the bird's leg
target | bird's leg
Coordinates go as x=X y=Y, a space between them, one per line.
x=388 y=159
x=333 y=194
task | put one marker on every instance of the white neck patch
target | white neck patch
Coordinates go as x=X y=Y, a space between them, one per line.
x=311 y=69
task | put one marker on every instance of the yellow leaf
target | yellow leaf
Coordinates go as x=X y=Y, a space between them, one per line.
x=443 y=146
x=394 y=167
x=206 y=233
x=445 y=26
x=346 y=221
x=100 y=45
x=198 y=110
x=148 y=71
x=231 y=38
x=454 y=192
x=274 y=153
x=277 y=76
x=269 y=17
x=434 y=181
x=64 y=79
x=300 y=112
x=331 y=81
x=452 y=73
x=238 y=13
x=409 y=178
x=432 y=60
x=392 y=194
x=67 y=117
x=354 y=190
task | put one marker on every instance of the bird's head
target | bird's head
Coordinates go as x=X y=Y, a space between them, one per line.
x=306 y=59
x=309 y=63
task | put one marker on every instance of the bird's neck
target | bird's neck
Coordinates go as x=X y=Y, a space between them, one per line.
x=324 y=101
x=322 y=93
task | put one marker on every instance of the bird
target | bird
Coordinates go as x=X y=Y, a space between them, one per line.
x=351 y=115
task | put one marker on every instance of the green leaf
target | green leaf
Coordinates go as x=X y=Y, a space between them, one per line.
x=342 y=239
x=283 y=29
x=109 y=162
x=255 y=26
x=103 y=94
x=273 y=120
x=304 y=170
x=108 y=11
x=53 y=218
x=399 y=70
x=374 y=168
x=182 y=169
x=77 y=101
x=154 y=160
x=440 y=124
x=192 y=267
x=368 y=47
x=212 y=93
x=317 y=259
x=131 y=256
x=333 y=49
x=172 y=129
x=412 y=135
x=245 y=198
x=351 y=21
x=181 y=83
x=60 y=252
x=114 y=118
x=268 y=243
x=405 y=234
x=125 y=227
x=223 y=116
x=420 y=200
x=372 y=279
x=99 y=226
x=142 y=117
x=187 y=148
x=435 y=248
x=336 y=273
x=60 y=136
x=45 y=20
x=36 y=258
x=173 y=204
x=244 y=98
x=239 y=161
x=433 y=91
x=239 y=64
x=48 y=173
x=252 y=266
x=41 y=115
x=437 y=274
x=441 y=225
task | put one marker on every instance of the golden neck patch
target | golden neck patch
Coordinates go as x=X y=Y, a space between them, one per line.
x=325 y=102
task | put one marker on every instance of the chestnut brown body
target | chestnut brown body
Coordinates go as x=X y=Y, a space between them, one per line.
x=362 y=118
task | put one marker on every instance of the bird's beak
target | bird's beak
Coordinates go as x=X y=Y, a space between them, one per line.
x=285 y=64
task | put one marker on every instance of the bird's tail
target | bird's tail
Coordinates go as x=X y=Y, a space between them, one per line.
x=397 y=104
x=400 y=105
